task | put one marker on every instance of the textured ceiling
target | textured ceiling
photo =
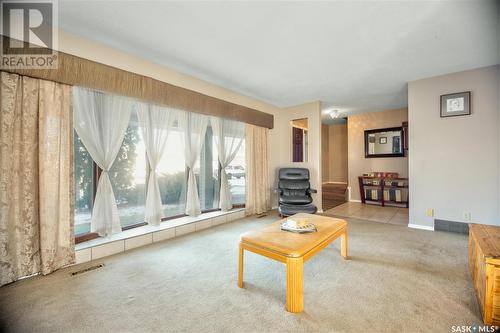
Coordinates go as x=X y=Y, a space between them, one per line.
x=352 y=56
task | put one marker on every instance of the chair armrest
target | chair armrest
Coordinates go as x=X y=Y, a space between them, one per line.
x=311 y=190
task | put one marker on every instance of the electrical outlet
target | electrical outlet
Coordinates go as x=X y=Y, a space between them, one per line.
x=429 y=212
x=467 y=216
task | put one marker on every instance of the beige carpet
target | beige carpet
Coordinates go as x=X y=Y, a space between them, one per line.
x=397 y=280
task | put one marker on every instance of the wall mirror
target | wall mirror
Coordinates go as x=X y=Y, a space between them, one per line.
x=384 y=142
x=300 y=131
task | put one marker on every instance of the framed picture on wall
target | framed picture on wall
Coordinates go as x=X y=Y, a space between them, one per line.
x=457 y=104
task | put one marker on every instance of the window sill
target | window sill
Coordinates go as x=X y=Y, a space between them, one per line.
x=140 y=236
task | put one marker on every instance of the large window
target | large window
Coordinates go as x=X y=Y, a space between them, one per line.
x=84 y=189
x=206 y=170
x=172 y=175
x=236 y=174
x=128 y=176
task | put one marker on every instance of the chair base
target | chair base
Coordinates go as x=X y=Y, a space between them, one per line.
x=288 y=210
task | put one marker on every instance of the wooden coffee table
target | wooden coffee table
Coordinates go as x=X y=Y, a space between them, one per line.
x=293 y=250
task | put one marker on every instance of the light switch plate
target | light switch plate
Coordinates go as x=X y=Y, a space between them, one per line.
x=429 y=212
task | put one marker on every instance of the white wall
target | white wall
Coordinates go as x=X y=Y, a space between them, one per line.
x=454 y=162
x=280 y=146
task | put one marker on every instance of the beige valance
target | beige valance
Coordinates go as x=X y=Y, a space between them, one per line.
x=73 y=70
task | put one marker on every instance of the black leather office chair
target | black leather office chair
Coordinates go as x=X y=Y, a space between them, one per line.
x=295 y=192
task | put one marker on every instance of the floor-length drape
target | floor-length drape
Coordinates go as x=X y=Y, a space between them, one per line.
x=195 y=126
x=228 y=135
x=55 y=165
x=156 y=123
x=101 y=121
x=19 y=214
x=36 y=183
x=258 y=193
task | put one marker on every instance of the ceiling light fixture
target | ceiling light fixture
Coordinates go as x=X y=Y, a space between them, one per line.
x=334 y=114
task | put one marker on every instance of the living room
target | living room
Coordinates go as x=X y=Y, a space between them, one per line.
x=152 y=166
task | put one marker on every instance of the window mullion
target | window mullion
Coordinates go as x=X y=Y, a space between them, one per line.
x=96 y=174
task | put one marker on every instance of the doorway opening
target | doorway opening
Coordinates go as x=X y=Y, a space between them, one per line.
x=334 y=166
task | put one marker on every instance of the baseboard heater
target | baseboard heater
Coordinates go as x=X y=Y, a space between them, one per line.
x=88 y=269
x=451 y=226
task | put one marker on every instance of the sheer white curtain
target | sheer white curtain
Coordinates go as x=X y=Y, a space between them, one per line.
x=228 y=135
x=195 y=127
x=156 y=123
x=101 y=121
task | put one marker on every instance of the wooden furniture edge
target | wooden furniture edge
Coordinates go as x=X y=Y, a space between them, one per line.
x=482 y=269
x=278 y=256
x=474 y=229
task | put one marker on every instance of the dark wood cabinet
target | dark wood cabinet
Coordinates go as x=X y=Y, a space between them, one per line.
x=384 y=189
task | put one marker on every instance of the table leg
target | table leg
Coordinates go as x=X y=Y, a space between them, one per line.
x=295 y=284
x=343 y=244
x=240 y=267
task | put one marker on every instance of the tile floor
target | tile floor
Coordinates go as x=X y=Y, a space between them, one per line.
x=392 y=215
